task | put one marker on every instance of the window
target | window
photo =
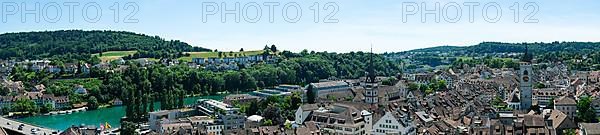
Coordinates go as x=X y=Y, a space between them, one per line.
x=349 y=129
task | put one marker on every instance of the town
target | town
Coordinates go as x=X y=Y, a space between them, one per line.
x=277 y=92
x=473 y=100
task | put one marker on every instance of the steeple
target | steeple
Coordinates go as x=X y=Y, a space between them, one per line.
x=371 y=88
x=527 y=57
x=370 y=69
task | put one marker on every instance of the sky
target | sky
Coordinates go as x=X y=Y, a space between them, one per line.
x=340 y=26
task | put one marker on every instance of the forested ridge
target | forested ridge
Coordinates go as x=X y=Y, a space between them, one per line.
x=537 y=48
x=79 y=45
x=577 y=55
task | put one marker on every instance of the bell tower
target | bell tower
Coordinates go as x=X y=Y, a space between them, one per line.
x=525 y=80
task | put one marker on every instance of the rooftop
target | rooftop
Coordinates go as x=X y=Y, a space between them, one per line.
x=565 y=100
x=590 y=128
x=329 y=84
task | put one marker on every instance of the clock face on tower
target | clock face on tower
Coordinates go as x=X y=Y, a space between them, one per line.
x=526 y=79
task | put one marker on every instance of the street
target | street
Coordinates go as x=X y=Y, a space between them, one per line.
x=9 y=124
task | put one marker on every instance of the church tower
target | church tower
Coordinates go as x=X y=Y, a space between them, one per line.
x=525 y=80
x=371 y=93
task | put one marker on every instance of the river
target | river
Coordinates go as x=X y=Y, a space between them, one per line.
x=112 y=115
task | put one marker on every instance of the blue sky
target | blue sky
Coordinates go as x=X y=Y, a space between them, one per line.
x=360 y=23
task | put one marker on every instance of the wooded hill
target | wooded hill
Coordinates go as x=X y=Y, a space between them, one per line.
x=79 y=45
x=536 y=48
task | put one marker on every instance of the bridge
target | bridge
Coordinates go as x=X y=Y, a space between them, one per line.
x=27 y=129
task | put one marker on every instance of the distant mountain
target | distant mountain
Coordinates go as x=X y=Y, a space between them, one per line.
x=78 y=44
x=537 y=48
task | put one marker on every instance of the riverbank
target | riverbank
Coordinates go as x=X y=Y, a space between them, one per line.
x=111 y=115
x=67 y=111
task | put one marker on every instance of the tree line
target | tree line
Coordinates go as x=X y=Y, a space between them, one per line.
x=79 y=45
x=139 y=86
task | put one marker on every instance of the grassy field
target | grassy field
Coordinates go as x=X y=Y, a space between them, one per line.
x=113 y=55
x=470 y=58
x=216 y=54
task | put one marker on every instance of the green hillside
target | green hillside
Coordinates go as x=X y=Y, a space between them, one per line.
x=216 y=54
x=498 y=47
x=113 y=55
x=80 y=45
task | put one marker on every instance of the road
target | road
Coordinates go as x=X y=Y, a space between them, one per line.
x=9 y=124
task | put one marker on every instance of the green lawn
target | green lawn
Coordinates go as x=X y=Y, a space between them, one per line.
x=151 y=59
x=216 y=54
x=470 y=58
x=113 y=55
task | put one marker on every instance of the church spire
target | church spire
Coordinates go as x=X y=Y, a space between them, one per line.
x=527 y=57
x=370 y=68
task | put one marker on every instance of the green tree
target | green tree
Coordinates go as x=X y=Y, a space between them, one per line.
x=497 y=101
x=252 y=108
x=274 y=114
x=429 y=90
x=4 y=91
x=46 y=108
x=539 y=85
x=232 y=81
x=585 y=112
x=75 y=45
x=25 y=105
x=550 y=103
x=413 y=86
x=424 y=87
x=247 y=82
x=267 y=122
x=310 y=94
x=128 y=128
x=92 y=103
x=441 y=85
x=5 y=110
x=389 y=81
x=295 y=100
x=433 y=85
x=273 y=48
x=569 y=132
